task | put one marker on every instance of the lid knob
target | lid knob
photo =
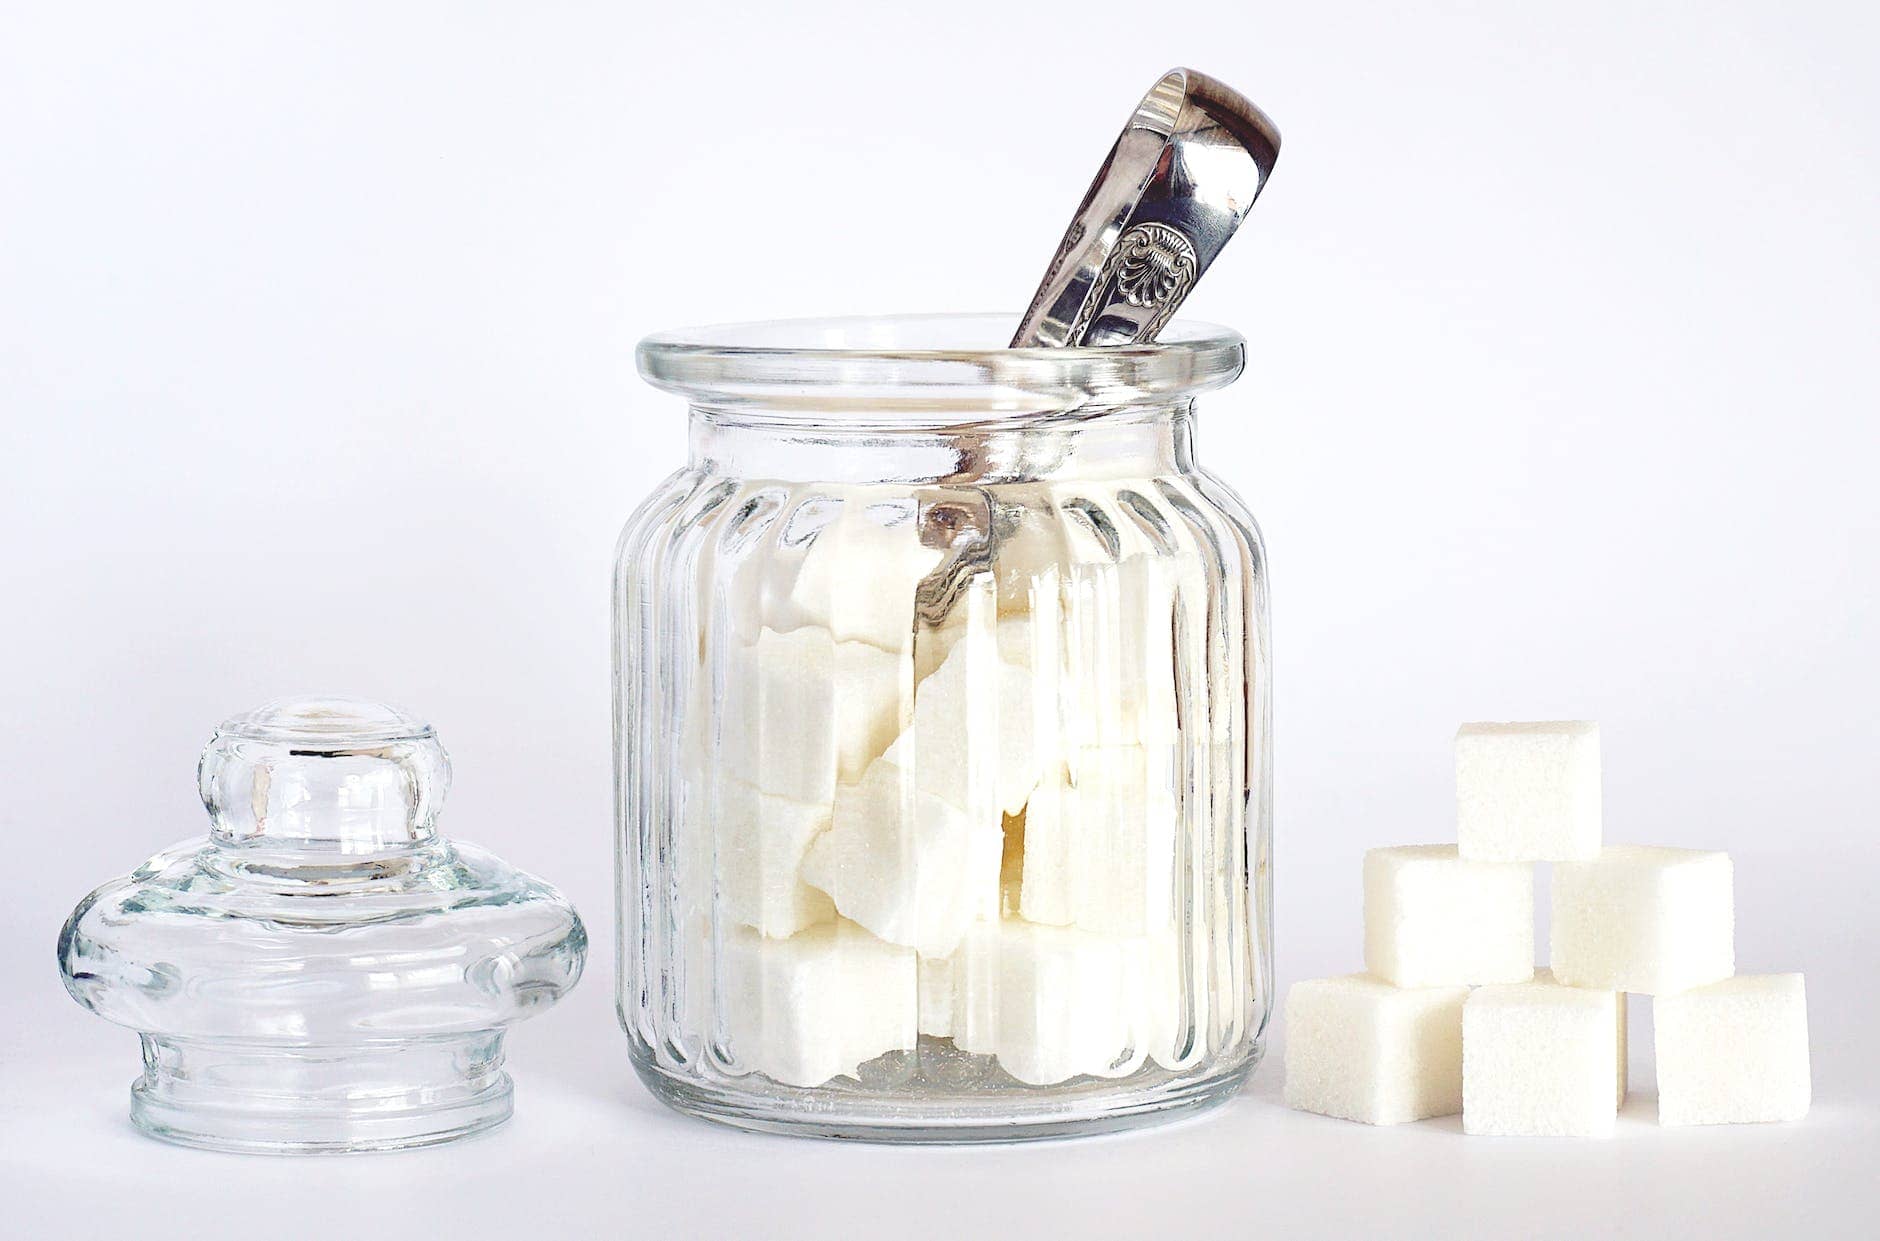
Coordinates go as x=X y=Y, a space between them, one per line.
x=324 y=774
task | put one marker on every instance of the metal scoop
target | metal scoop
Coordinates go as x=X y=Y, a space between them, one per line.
x=1174 y=188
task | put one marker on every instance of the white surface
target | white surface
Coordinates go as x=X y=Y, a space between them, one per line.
x=315 y=333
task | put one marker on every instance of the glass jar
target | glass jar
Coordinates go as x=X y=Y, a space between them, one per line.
x=941 y=737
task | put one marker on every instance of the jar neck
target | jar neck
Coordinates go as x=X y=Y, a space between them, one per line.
x=1131 y=441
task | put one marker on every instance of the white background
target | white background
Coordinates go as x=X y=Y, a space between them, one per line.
x=315 y=363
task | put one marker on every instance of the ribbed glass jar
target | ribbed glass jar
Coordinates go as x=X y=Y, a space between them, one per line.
x=941 y=737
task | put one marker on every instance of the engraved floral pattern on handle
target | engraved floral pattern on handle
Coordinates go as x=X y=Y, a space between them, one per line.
x=1152 y=268
x=1157 y=265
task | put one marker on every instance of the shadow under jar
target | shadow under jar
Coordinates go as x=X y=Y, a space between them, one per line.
x=941 y=737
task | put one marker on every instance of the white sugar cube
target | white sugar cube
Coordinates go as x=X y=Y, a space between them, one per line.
x=1119 y=653
x=1540 y=1059
x=1034 y=643
x=744 y=585
x=1733 y=1052
x=1099 y=639
x=803 y=711
x=761 y=843
x=936 y=996
x=1034 y=640
x=1051 y=1003
x=1528 y=792
x=973 y=740
x=1046 y=882
x=1101 y=843
x=961 y=996
x=1360 y=1049
x=815 y=1006
x=1168 y=997
x=693 y=844
x=1031 y=555
x=1623 y=1035
x=860 y=573
x=911 y=867
x=973 y=611
x=1644 y=919
x=1432 y=919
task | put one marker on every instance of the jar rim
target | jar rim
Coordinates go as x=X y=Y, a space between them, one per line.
x=926 y=370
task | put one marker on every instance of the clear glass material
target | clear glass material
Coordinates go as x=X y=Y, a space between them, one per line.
x=323 y=971
x=941 y=737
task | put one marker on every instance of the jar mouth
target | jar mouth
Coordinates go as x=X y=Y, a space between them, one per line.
x=925 y=370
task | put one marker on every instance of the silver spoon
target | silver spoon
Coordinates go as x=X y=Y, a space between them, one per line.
x=1172 y=191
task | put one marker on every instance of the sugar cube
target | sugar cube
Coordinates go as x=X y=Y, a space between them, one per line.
x=1540 y=1059
x=693 y=844
x=1528 y=792
x=1432 y=919
x=1168 y=997
x=860 y=573
x=1051 y=1003
x=1101 y=842
x=1035 y=642
x=972 y=612
x=1644 y=919
x=1735 y=1051
x=1050 y=841
x=817 y=1005
x=743 y=584
x=911 y=867
x=1032 y=549
x=974 y=739
x=1119 y=620
x=1625 y=1059
x=761 y=842
x=1159 y=1018
x=1360 y=1049
x=1030 y=643
x=803 y=711
x=936 y=996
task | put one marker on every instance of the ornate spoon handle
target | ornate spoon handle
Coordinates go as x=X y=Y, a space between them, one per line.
x=1172 y=191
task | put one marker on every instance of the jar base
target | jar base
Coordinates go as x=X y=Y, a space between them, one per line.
x=946 y=1119
x=310 y=1100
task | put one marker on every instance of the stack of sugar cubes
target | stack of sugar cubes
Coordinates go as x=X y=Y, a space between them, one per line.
x=1451 y=1014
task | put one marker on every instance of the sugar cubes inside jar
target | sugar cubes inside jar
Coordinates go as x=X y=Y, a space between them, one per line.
x=991 y=801
x=941 y=755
